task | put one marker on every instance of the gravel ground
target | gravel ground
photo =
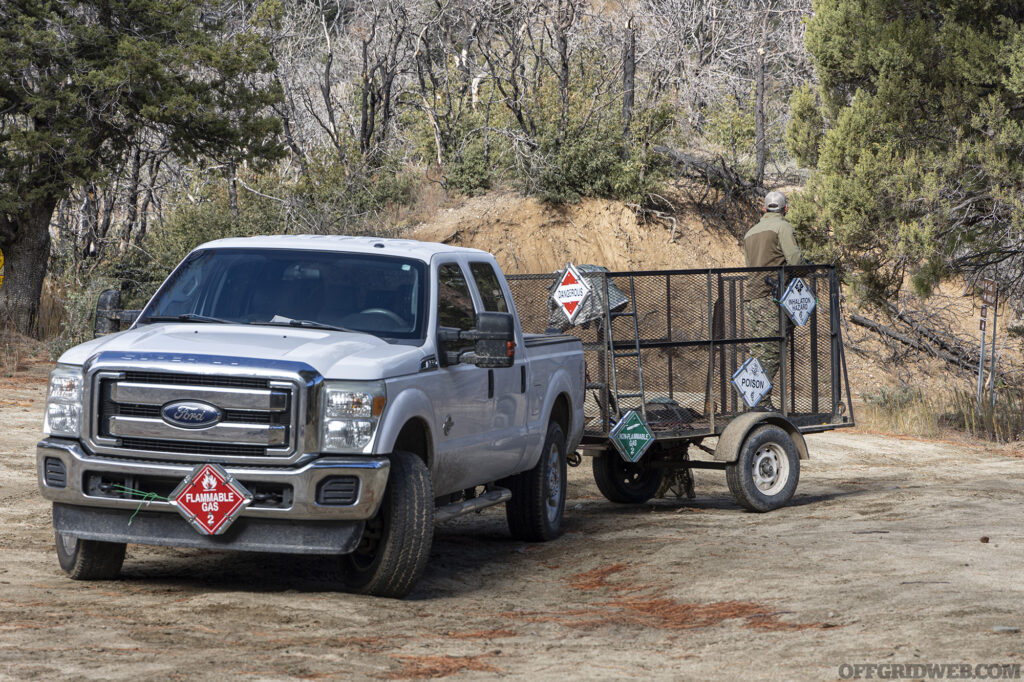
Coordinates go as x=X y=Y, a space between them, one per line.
x=894 y=551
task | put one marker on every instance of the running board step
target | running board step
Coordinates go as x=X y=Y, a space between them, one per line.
x=487 y=499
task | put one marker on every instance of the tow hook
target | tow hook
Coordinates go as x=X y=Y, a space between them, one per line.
x=573 y=459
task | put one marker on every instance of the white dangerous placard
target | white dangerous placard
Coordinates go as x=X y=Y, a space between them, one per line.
x=798 y=301
x=572 y=291
x=752 y=382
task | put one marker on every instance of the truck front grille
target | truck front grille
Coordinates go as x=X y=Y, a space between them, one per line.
x=182 y=447
x=258 y=417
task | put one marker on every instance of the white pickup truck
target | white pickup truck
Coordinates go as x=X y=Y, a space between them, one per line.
x=311 y=395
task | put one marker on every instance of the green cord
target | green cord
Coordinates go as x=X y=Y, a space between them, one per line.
x=146 y=498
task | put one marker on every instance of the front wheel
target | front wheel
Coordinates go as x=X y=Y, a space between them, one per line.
x=765 y=475
x=89 y=559
x=395 y=546
x=625 y=483
x=537 y=506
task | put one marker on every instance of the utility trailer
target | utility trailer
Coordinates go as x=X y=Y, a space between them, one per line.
x=662 y=349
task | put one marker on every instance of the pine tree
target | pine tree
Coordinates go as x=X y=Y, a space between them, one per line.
x=81 y=79
x=921 y=170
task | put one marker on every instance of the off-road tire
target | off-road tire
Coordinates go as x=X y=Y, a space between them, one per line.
x=536 y=509
x=89 y=559
x=622 y=482
x=767 y=470
x=393 y=552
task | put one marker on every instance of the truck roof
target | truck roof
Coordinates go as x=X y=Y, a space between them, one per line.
x=408 y=248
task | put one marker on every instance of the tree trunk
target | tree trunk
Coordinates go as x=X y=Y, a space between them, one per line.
x=25 y=240
x=132 y=203
x=233 y=189
x=566 y=14
x=628 y=78
x=760 y=142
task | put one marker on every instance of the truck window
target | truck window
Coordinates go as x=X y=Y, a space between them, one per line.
x=376 y=294
x=454 y=303
x=489 y=288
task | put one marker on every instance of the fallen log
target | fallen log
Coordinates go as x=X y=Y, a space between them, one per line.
x=889 y=333
x=945 y=342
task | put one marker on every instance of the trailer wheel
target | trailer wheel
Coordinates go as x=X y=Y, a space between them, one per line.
x=537 y=506
x=395 y=546
x=625 y=483
x=89 y=559
x=767 y=470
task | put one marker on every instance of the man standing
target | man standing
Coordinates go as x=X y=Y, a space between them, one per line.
x=770 y=243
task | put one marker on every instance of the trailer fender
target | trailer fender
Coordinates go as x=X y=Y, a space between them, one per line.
x=731 y=440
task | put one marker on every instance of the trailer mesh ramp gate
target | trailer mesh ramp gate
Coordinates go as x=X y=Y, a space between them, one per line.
x=670 y=342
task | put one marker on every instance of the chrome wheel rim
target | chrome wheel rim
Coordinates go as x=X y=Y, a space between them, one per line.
x=770 y=469
x=553 y=502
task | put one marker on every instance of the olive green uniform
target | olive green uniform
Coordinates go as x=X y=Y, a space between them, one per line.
x=770 y=243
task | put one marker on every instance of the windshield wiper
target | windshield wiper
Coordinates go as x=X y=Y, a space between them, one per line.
x=308 y=324
x=186 y=317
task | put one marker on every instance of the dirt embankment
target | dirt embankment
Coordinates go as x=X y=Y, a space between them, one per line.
x=528 y=236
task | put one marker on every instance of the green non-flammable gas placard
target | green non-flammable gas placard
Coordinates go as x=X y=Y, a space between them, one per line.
x=632 y=437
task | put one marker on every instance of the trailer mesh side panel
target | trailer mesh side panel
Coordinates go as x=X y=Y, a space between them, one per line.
x=693 y=336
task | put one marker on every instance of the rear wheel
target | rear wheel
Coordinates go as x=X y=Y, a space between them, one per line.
x=89 y=559
x=767 y=470
x=625 y=483
x=537 y=506
x=395 y=546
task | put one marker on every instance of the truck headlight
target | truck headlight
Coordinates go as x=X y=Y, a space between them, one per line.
x=351 y=410
x=64 y=402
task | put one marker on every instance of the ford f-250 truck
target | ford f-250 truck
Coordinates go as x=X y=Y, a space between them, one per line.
x=311 y=395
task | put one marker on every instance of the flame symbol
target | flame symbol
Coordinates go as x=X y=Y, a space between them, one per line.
x=209 y=482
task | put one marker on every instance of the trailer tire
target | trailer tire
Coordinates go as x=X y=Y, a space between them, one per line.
x=625 y=483
x=537 y=507
x=395 y=546
x=89 y=559
x=767 y=470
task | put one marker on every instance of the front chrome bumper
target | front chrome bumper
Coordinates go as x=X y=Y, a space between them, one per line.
x=372 y=473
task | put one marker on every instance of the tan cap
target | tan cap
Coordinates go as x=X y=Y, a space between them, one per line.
x=775 y=201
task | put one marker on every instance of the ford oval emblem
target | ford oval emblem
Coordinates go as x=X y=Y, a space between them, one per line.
x=189 y=414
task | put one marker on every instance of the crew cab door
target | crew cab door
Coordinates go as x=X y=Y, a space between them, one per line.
x=463 y=407
x=508 y=414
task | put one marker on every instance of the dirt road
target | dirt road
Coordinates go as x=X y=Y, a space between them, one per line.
x=882 y=558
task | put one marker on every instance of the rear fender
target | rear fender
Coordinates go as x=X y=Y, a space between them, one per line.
x=731 y=440
x=558 y=383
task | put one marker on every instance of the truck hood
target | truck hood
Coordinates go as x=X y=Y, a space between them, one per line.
x=336 y=355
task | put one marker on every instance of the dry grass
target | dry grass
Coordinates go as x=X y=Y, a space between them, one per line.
x=596 y=578
x=424 y=667
x=52 y=313
x=15 y=350
x=647 y=606
x=920 y=417
x=938 y=414
x=483 y=634
x=429 y=199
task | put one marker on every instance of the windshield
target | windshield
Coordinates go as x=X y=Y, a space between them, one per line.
x=381 y=295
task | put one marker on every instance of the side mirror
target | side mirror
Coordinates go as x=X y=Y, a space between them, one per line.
x=493 y=338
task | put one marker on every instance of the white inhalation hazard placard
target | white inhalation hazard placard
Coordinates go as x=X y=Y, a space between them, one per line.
x=571 y=293
x=798 y=301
